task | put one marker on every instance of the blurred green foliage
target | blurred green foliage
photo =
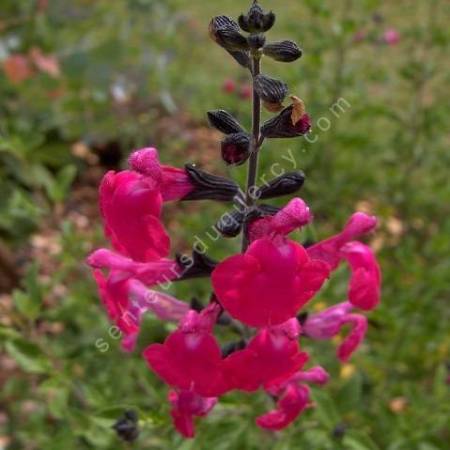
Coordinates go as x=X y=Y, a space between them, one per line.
x=126 y=67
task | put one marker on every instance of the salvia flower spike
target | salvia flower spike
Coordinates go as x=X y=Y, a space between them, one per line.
x=260 y=294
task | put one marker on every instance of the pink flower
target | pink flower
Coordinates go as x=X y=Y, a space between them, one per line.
x=391 y=36
x=245 y=92
x=329 y=249
x=365 y=283
x=294 y=398
x=185 y=406
x=131 y=201
x=131 y=207
x=229 y=86
x=48 y=64
x=126 y=300
x=150 y=273
x=269 y=283
x=294 y=215
x=173 y=183
x=190 y=358
x=329 y=323
x=272 y=356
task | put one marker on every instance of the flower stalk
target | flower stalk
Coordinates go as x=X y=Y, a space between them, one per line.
x=256 y=142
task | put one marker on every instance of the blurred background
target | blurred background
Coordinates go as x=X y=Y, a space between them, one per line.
x=84 y=82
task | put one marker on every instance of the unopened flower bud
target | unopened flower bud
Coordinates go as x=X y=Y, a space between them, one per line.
x=127 y=426
x=286 y=184
x=224 y=122
x=283 y=51
x=225 y=32
x=208 y=186
x=256 y=20
x=291 y=122
x=200 y=265
x=272 y=92
x=230 y=224
x=236 y=148
x=256 y=41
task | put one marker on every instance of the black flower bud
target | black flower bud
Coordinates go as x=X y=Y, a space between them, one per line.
x=230 y=224
x=127 y=426
x=236 y=148
x=224 y=122
x=225 y=32
x=256 y=41
x=286 y=184
x=256 y=20
x=209 y=187
x=283 y=51
x=291 y=122
x=272 y=92
x=198 y=266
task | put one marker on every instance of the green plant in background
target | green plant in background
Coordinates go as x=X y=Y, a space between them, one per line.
x=58 y=390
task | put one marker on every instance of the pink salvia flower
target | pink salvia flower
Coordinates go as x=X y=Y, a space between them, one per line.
x=126 y=300
x=151 y=273
x=190 y=358
x=292 y=403
x=269 y=283
x=185 y=406
x=329 y=249
x=131 y=208
x=271 y=357
x=328 y=323
x=365 y=282
x=173 y=183
x=295 y=214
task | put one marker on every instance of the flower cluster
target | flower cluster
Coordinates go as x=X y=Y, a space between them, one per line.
x=260 y=292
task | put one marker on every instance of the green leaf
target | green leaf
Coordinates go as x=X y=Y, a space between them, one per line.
x=29 y=356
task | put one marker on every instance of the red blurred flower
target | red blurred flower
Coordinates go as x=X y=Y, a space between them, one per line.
x=391 y=37
x=17 y=68
x=229 y=86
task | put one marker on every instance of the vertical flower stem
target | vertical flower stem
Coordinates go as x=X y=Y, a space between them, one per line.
x=254 y=148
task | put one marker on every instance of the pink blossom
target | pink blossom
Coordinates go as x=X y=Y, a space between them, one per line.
x=329 y=249
x=151 y=273
x=48 y=64
x=271 y=357
x=173 y=183
x=391 y=36
x=328 y=323
x=269 y=283
x=126 y=300
x=294 y=215
x=365 y=282
x=294 y=400
x=185 y=406
x=229 y=86
x=190 y=358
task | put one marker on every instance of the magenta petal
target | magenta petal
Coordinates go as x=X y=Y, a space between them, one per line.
x=365 y=282
x=185 y=406
x=354 y=339
x=175 y=183
x=269 y=283
x=131 y=207
x=146 y=162
x=328 y=250
x=292 y=403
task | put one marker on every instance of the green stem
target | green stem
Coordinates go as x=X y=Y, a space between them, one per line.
x=255 y=145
